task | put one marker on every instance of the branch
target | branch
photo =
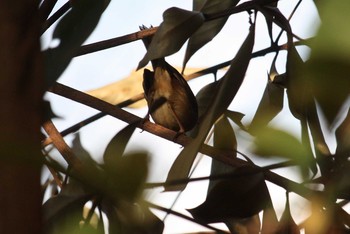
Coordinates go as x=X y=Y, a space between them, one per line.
x=152 y=205
x=224 y=156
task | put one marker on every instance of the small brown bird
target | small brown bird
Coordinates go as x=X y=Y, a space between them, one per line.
x=170 y=100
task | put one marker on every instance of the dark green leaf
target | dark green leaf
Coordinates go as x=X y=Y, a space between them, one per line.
x=236 y=117
x=64 y=211
x=72 y=31
x=328 y=68
x=210 y=28
x=241 y=196
x=225 y=139
x=117 y=145
x=48 y=113
x=132 y=218
x=249 y=225
x=177 y=26
x=343 y=139
x=271 y=102
x=229 y=86
x=128 y=175
x=298 y=90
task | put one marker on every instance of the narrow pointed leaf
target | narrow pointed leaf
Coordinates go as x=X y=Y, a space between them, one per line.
x=225 y=139
x=72 y=31
x=271 y=102
x=177 y=26
x=210 y=28
x=229 y=86
x=343 y=138
x=117 y=145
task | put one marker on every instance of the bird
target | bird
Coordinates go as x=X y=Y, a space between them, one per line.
x=171 y=102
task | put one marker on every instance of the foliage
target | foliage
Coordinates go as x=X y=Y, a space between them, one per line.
x=237 y=190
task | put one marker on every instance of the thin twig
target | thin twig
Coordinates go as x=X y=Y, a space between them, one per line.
x=152 y=205
x=106 y=44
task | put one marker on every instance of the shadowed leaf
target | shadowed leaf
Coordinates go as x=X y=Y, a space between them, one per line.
x=229 y=86
x=225 y=139
x=328 y=68
x=177 y=26
x=117 y=145
x=242 y=196
x=72 y=30
x=128 y=175
x=271 y=102
x=343 y=138
x=210 y=28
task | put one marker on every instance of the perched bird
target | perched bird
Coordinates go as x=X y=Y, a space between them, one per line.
x=171 y=102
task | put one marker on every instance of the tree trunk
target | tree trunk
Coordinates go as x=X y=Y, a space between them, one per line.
x=21 y=90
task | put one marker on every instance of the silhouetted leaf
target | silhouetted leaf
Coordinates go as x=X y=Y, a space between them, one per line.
x=131 y=218
x=329 y=65
x=117 y=145
x=225 y=139
x=271 y=102
x=209 y=29
x=241 y=196
x=229 y=86
x=249 y=225
x=80 y=152
x=64 y=211
x=48 y=113
x=236 y=117
x=343 y=139
x=71 y=31
x=298 y=90
x=177 y=26
x=128 y=175
x=287 y=224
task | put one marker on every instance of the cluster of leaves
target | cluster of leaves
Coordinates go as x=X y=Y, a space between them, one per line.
x=237 y=191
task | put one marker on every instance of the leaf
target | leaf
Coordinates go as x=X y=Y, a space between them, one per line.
x=236 y=117
x=209 y=29
x=343 y=139
x=298 y=90
x=273 y=142
x=64 y=210
x=249 y=225
x=128 y=175
x=229 y=86
x=117 y=145
x=329 y=66
x=71 y=31
x=242 y=196
x=132 y=218
x=225 y=139
x=177 y=26
x=271 y=102
x=287 y=224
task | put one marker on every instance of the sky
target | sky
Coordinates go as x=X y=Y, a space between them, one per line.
x=101 y=68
